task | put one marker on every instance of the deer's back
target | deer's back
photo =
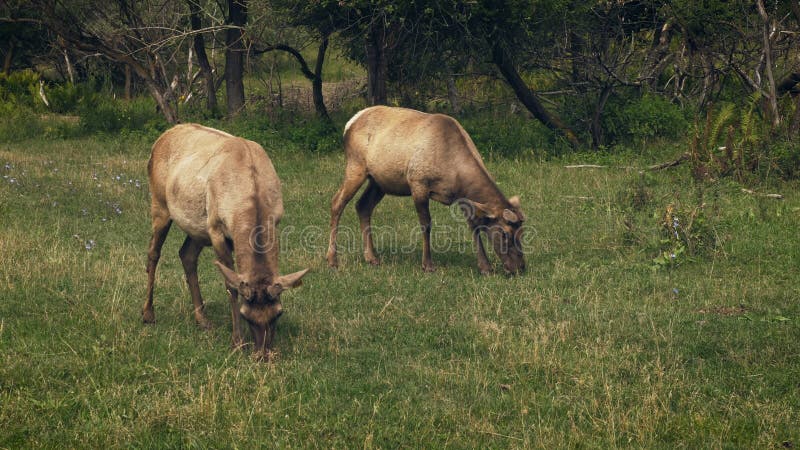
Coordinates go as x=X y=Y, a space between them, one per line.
x=401 y=146
x=204 y=176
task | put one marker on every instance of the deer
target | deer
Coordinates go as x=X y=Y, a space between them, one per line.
x=403 y=152
x=223 y=192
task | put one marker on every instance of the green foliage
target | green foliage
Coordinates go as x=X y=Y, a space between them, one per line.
x=737 y=142
x=673 y=227
x=643 y=119
x=785 y=157
x=64 y=98
x=315 y=135
x=18 y=123
x=101 y=114
x=507 y=135
x=305 y=132
x=685 y=231
x=20 y=88
x=710 y=20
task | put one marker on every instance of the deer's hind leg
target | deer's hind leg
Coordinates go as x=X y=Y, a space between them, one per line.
x=366 y=204
x=354 y=177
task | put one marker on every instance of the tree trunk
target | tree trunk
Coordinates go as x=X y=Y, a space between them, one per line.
x=659 y=56
x=773 y=97
x=377 y=64
x=162 y=100
x=596 y=126
x=708 y=79
x=9 y=56
x=70 y=71
x=794 y=127
x=579 y=76
x=128 y=76
x=315 y=77
x=528 y=97
x=452 y=94
x=316 y=82
x=202 y=58
x=234 y=56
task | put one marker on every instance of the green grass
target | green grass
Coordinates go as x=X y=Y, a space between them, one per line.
x=592 y=347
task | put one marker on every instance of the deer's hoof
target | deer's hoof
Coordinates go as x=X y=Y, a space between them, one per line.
x=237 y=343
x=204 y=324
x=148 y=316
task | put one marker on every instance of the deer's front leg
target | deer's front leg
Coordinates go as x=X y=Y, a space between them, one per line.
x=421 y=203
x=483 y=262
x=224 y=254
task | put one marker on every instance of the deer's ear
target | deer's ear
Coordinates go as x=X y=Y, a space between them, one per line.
x=510 y=216
x=516 y=206
x=481 y=210
x=232 y=279
x=287 y=282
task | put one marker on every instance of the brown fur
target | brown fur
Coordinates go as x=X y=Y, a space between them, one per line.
x=427 y=156
x=223 y=192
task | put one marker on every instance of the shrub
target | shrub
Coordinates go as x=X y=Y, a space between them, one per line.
x=512 y=135
x=64 y=98
x=785 y=157
x=19 y=88
x=315 y=135
x=644 y=118
x=306 y=131
x=739 y=143
x=686 y=231
x=100 y=113
x=18 y=123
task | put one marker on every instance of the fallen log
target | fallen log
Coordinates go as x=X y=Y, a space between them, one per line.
x=759 y=194
x=662 y=166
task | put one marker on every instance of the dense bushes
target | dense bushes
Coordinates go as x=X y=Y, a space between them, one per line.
x=510 y=135
x=18 y=123
x=100 y=113
x=73 y=110
x=643 y=118
x=630 y=120
x=19 y=88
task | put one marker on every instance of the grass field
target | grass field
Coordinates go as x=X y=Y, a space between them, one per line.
x=606 y=341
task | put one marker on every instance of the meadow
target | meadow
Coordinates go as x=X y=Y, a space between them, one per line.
x=656 y=312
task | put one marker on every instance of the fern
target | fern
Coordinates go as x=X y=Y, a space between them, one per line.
x=723 y=117
x=747 y=121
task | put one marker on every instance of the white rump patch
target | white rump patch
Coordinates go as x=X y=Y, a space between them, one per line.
x=353 y=119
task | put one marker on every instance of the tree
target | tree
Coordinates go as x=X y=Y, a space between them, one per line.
x=234 y=55
x=22 y=38
x=139 y=34
x=199 y=46
x=312 y=23
x=496 y=29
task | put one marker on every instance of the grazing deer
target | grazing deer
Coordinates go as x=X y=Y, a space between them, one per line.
x=222 y=191
x=427 y=156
